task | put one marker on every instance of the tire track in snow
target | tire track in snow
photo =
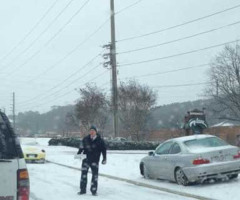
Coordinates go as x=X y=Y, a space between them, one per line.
x=184 y=194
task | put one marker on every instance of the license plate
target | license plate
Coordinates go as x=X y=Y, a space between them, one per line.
x=219 y=158
x=31 y=156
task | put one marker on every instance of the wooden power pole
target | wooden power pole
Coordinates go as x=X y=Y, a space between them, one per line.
x=113 y=62
x=14 y=119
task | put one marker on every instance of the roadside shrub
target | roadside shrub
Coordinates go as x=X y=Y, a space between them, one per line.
x=111 y=145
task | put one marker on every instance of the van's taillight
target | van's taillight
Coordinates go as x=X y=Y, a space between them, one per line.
x=22 y=184
x=200 y=161
x=237 y=156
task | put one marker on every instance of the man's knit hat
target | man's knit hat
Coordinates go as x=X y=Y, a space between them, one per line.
x=93 y=128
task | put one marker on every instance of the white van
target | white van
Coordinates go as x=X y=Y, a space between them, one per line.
x=14 y=180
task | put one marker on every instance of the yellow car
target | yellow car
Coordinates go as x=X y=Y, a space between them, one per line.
x=34 y=154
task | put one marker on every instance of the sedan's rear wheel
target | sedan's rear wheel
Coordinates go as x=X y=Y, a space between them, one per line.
x=233 y=176
x=180 y=177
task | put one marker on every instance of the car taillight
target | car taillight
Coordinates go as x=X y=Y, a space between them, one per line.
x=22 y=184
x=200 y=161
x=237 y=156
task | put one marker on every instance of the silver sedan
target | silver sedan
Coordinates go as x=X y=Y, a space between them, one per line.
x=191 y=159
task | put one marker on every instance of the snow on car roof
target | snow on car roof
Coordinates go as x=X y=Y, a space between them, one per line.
x=192 y=137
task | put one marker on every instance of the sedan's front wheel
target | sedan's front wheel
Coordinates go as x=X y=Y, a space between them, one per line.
x=144 y=170
x=180 y=177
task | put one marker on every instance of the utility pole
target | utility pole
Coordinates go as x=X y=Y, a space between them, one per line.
x=113 y=64
x=13 y=111
x=114 y=69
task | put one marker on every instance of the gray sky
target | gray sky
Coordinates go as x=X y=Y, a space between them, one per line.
x=46 y=44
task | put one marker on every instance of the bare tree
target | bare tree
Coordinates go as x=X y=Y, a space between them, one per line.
x=225 y=77
x=92 y=107
x=70 y=123
x=135 y=102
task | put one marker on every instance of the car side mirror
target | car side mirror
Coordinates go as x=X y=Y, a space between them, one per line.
x=151 y=153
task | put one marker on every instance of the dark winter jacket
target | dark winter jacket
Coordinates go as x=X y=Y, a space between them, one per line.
x=93 y=148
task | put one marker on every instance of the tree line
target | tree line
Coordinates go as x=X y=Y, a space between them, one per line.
x=94 y=107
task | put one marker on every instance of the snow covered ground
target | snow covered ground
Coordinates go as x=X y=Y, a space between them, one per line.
x=50 y=181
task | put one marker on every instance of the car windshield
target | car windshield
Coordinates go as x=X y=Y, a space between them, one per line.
x=205 y=142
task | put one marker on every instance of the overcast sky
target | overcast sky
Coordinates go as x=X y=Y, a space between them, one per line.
x=50 y=48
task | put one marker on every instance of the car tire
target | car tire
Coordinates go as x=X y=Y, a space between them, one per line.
x=146 y=172
x=141 y=169
x=233 y=176
x=180 y=177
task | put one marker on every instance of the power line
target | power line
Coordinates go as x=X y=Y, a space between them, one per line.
x=30 y=32
x=181 y=85
x=68 y=22
x=89 y=37
x=179 y=25
x=75 y=80
x=23 y=64
x=167 y=72
x=63 y=81
x=130 y=6
x=179 y=39
x=94 y=78
x=68 y=92
x=176 y=55
x=71 y=52
x=44 y=31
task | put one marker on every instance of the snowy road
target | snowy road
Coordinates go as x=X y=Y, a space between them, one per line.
x=50 y=181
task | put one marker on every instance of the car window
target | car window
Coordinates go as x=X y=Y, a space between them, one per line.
x=164 y=148
x=9 y=145
x=175 y=149
x=205 y=142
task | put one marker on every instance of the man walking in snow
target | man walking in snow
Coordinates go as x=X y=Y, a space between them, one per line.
x=92 y=146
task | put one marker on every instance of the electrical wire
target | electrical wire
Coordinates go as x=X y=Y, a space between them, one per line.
x=30 y=32
x=182 y=85
x=130 y=6
x=179 y=39
x=70 y=52
x=61 y=89
x=63 y=81
x=41 y=33
x=179 y=25
x=68 y=22
x=167 y=72
x=73 y=50
x=67 y=93
x=176 y=55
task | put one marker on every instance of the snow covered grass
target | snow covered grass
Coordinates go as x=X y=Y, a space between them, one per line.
x=120 y=165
